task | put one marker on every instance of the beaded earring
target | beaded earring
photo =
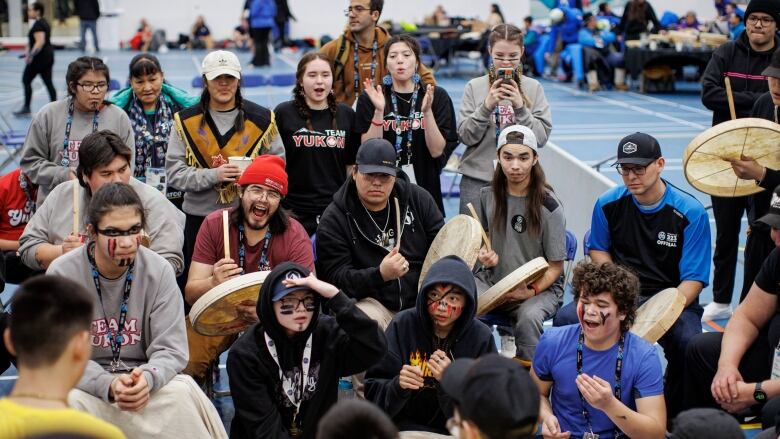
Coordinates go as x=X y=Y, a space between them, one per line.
x=416 y=78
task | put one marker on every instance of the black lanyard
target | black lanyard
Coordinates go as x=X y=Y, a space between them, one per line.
x=68 y=124
x=618 y=373
x=115 y=338
x=25 y=185
x=262 y=264
x=356 y=57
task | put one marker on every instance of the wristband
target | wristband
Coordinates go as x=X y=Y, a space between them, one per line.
x=535 y=288
x=377 y=123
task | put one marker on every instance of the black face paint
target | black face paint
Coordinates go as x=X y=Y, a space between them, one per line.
x=604 y=317
x=124 y=262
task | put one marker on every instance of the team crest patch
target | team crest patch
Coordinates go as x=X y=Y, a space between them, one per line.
x=629 y=148
x=518 y=223
x=775 y=201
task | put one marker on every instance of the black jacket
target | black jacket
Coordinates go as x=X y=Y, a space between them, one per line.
x=764 y=108
x=744 y=66
x=341 y=346
x=348 y=255
x=87 y=9
x=411 y=340
x=632 y=29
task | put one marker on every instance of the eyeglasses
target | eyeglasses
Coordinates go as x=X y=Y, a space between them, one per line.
x=356 y=9
x=92 y=86
x=290 y=304
x=113 y=233
x=637 y=170
x=259 y=193
x=378 y=176
x=765 y=21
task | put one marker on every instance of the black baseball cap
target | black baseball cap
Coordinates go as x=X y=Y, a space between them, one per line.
x=495 y=393
x=638 y=149
x=705 y=422
x=773 y=69
x=772 y=219
x=376 y=156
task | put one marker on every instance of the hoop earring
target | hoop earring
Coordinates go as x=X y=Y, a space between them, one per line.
x=387 y=80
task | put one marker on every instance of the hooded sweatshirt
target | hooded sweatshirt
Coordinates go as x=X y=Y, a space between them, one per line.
x=349 y=252
x=342 y=51
x=341 y=346
x=743 y=65
x=764 y=108
x=411 y=340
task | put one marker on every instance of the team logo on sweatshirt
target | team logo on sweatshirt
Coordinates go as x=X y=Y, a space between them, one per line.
x=99 y=332
x=21 y=216
x=71 y=154
x=506 y=115
x=317 y=139
x=404 y=123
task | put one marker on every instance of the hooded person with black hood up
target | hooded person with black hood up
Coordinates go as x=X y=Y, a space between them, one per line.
x=284 y=370
x=422 y=342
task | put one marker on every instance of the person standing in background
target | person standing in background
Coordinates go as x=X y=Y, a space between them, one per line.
x=262 y=16
x=282 y=19
x=39 y=57
x=88 y=12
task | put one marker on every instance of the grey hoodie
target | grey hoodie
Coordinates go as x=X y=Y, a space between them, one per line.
x=53 y=221
x=155 y=334
x=43 y=147
x=477 y=128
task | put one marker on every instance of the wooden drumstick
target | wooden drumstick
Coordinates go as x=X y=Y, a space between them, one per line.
x=730 y=97
x=225 y=231
x=484 y=235
x=397 y=223
x=76 y=207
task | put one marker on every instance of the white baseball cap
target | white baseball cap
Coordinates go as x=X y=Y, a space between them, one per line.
x=528 y=137
x=221 y=62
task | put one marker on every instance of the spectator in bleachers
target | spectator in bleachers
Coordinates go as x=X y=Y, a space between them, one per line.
x=495 y=17
x=50 y=153
x=356 y=52
x=104 y=158
x=320 y=140
x=200 y=35
x=605 y=12
x=531 y=43
x=416 y=117
x=689 y=22
x=284 y=370
x=637 y=16
x=525 y=220
x=489 y=104
x=566 y=23
x=601 y=58
x=49 y=333
x=422 y=342
x=720 y=6
x=39 y=57
x=736 y=27
x=262 y=16
x=150 y=102
x=663 y=235
x=17 y=206
x=142 y=37
x=139 y=342
x=88 y=12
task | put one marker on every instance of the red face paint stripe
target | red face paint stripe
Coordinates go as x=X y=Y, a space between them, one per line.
x=111 y=246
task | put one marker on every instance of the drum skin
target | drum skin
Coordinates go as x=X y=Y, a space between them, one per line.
x=526 y=273
x=461 y=236
x=214 y=313
x=658 y=314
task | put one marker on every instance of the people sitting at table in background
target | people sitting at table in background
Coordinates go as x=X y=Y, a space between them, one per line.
x=200 y=35
x=566 y=22
x=689 y=21
x=601 y=56
x=637 y=15
x=438 y=17
x=605 y=12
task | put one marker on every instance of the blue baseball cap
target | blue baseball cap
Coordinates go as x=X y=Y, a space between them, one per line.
x=279 y=290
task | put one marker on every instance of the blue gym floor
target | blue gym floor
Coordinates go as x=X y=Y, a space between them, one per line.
x=586 y=125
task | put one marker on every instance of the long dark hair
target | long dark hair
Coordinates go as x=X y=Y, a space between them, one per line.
x=538 y=189
x=144 y=64
x=298 y=93
x=205 y=97
x=80 y=67
x=111 y=196
x=276 y=225
x=411 y=42
x=497 y=9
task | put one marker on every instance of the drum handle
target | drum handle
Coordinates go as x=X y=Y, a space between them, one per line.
x=730 y=97
x=397 y=223
x=484 y=235
x=225 y=230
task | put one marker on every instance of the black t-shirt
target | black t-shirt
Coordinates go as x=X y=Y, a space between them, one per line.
x=47 y=51
x=317 y=160
x=426 y=168
x=768 y=279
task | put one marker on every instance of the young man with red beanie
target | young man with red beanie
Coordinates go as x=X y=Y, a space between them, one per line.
x=262 y=235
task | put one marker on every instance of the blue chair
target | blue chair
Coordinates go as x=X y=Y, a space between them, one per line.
x=254 y=80
x=282 y=79
x=197 y=82
x=586 y=244
x=113 y=85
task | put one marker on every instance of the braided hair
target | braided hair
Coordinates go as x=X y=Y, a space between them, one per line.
x=205 y=97
x=299 y=95
x=513 y=35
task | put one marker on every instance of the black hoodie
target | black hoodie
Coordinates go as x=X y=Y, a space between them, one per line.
x=764 y=108
x=410 y=340
x=349 y=256
x=744 y=66
x=341 y=346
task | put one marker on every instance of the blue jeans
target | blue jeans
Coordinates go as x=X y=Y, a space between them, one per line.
x=92 y=26
x=674 y=342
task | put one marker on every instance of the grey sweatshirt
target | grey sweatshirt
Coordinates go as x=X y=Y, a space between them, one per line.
x=54 y=221
x=200 y=197
x=42 y=151
x=477 y=128
x=155 y=334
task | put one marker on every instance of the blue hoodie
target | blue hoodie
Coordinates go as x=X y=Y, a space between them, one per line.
x=411 y=340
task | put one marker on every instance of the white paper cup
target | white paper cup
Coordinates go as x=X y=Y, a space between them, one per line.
x=241 y=161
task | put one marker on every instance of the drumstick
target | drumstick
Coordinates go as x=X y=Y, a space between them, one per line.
x=76 y=207
x=397 y=223
x=484 y=235
x=730 y=97
x=225 y=231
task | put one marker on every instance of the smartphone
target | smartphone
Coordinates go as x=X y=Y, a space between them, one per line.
x=505 y=74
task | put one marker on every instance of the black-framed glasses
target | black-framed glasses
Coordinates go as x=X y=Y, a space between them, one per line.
x=765 y=21
x=356 y=9
x=290 y=304
x=113 y=233
x=93 y=86
x=636 y=169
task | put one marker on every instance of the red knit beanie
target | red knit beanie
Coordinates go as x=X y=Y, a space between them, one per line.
x=267 y=170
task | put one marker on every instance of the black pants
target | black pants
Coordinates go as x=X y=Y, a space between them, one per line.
x=260 y=38
x=702 y=364
x=30 y=72
x=728 y=217
x=191 y=227
x=759 y=245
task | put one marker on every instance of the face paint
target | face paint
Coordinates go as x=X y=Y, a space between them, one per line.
x=138 y=241
x=111 y=247
x=604 y=317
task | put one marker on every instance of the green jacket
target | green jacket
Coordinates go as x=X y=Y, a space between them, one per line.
x=176 y=97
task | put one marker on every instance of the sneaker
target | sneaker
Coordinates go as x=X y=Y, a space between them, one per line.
x=508 y=347
x=716 y=311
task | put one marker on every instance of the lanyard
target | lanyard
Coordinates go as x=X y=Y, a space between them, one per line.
x=263 y=264
x=618 y=373
x=25 y=185
x=357 y=64
x=68 y=124
x=410 y=121
x=295 y=395
x=115 y=338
